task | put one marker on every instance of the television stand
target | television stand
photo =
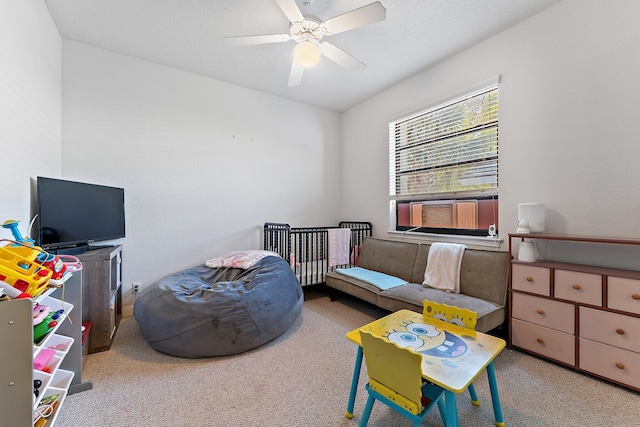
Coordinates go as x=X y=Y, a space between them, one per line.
x=68 y=250
x=102 y=294
x=96 y=247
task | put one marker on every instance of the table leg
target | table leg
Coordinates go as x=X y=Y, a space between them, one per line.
x=451 y=409
x=495 y=398
x=354 y=383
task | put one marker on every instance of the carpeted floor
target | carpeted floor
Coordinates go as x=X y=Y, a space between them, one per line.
x=302 y=379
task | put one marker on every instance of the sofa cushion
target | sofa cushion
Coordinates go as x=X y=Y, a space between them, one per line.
x=379 y=280
x=410 y=296
x=483 y=274
x=352 y=286
x=389 y=257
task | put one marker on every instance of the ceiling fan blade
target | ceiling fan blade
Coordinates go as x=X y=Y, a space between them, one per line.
x=341 y=57
x=251 y=40
x=291 y=10
x=295 y=77
x=369 y=14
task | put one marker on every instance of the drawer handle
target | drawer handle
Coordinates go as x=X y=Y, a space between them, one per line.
x=530 y=279
x=635 y=296
x=540 y=340
x=620 y=365
x=540 y=311
x=620 y=331
x=576 y=286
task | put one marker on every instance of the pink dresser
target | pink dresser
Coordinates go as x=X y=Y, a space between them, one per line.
x=583 y=317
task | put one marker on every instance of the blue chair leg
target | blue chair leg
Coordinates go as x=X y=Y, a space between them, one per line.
x=367 y=411
x=443 y=411
x=495 y=397
x=474 y=396
x=354 y=383
x=451 y=409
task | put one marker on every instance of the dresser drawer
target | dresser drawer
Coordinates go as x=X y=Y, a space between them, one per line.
x=623 y=294
x=544 y=312
x=610 y=328
x=579 y=287
x=619 y=365
x=546 y=342
x=531 y=279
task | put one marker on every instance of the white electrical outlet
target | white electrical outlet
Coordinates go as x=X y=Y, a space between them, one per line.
x=135 y=287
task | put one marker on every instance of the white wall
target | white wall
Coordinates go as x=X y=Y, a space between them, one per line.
x=203 y=163
x=30 y=105
x=568 y=120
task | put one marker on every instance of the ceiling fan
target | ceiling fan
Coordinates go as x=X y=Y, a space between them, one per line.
x=308 y=33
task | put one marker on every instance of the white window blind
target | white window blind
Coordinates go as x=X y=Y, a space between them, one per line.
x=447 y=151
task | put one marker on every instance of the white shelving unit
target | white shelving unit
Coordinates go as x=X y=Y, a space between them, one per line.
x=55 y=381
x=62 y=374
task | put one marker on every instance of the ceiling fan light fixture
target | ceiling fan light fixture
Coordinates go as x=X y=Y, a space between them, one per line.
x=306 y=54
x=308 y=33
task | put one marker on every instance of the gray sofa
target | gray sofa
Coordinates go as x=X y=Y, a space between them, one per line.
x=483 y=280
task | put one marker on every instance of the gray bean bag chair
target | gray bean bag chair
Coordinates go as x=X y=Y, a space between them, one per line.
x=203 y=312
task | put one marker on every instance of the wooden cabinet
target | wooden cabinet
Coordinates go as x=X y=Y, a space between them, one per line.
x=582 y=316
x=102 y=295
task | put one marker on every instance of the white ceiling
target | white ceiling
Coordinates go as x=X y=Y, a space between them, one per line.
x=188 y=35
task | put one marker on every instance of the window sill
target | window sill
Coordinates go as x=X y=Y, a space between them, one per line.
x=485 y=242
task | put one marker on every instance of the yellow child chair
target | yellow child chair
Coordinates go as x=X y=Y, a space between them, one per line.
x=467 y=319
x=395 y=379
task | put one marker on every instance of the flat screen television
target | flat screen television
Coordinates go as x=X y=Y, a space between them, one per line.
x=74 y=213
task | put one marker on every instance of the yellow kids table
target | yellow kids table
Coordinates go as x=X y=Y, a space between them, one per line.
x=452 y=356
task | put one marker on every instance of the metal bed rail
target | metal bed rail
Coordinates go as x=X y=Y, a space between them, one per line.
x=306 y=248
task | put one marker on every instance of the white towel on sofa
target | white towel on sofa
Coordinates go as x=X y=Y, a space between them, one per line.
x=339 y=240
x=443 y=266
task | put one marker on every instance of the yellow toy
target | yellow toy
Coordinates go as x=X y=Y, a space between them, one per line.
x=395 y=379
x=18 y=263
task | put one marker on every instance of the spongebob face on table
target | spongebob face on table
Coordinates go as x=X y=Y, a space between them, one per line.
x=428 y=339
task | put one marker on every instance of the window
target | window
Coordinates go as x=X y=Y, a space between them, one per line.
x=443 y=166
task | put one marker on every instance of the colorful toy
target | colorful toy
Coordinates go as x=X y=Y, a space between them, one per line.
x=11 y=292
x=40 y=312
x=53 y=263
x=25 y=266
x=24 y=274
x=41 y=361
x=12 y=225
x=43 y=328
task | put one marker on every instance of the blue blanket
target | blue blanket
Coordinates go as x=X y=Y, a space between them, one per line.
x=379 y=280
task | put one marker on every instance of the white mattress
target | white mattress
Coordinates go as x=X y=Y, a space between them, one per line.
x=311 y=272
